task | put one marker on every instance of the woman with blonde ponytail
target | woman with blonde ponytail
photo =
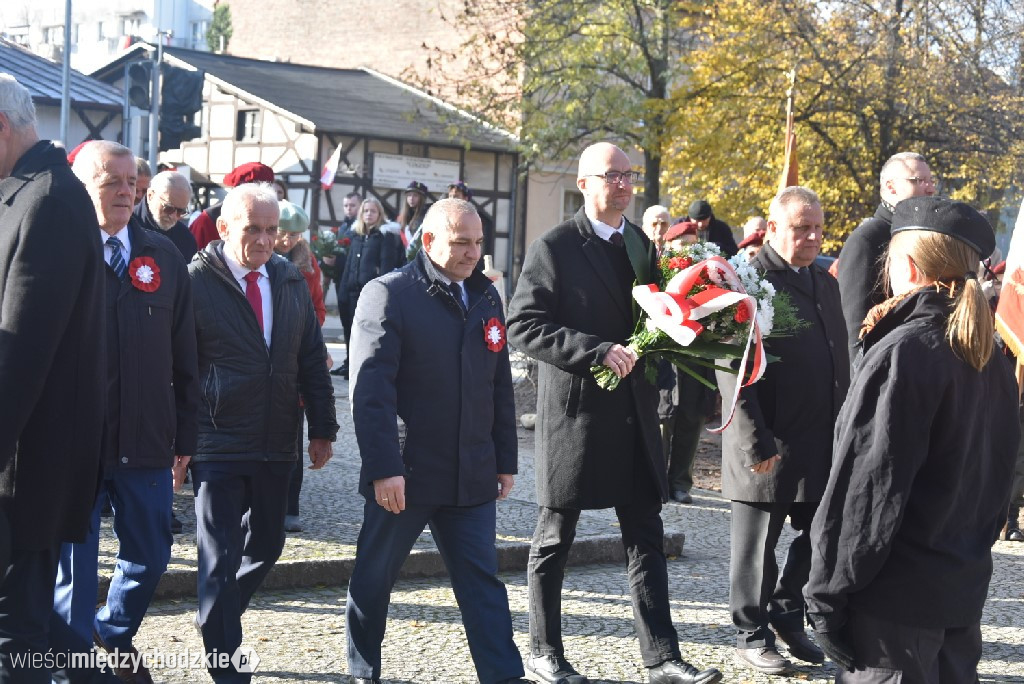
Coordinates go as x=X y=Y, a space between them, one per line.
x=923 y=460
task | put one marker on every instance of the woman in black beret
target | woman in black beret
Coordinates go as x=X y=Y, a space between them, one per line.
x=924 y=453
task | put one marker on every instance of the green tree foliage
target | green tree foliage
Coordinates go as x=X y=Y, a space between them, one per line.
x=939 y=77
x=220 y=27
x=564 y=73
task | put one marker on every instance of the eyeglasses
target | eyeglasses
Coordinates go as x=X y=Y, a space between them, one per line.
x=919 y=180
x=618 y=177
x=177 y=211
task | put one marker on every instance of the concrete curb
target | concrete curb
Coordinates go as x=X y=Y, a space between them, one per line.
x=337 y=571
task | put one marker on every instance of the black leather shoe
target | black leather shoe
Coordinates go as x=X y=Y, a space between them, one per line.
x=515 y=680
x=801 y=647
x=764 y=659
x=1015 y=535
x=679 y=672
x=176 y=525
x=554 y=670
x=681 y=496
x=363 y=680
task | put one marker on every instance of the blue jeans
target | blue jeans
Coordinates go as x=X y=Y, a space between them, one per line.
x=141 y=499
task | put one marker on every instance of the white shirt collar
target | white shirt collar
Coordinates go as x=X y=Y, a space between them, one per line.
x=121 y=235
x=603 y=230
x=237 y=270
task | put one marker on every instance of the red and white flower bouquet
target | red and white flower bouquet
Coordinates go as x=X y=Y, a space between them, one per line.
x=710 y=311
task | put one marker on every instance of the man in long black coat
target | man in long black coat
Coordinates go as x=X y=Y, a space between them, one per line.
x=904 y=175
x=572 y=310
x=777 y=450
x=52 y=369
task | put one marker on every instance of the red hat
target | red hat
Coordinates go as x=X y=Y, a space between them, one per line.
x=253 y=172
x=681 y=228
x=755 y=239
x=74 y=153
x=1000 y=268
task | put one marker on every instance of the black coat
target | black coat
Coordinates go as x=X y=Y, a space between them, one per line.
x=417 y=356
x=791 y=410
x=368 y=256
x=249 y=405
x=52 y=363
x=860 y=269
x=719 y=232
x=567 y=311
x=924 y=456
x=153 y=390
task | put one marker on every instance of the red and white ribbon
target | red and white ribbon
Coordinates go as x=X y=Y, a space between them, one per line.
x=676 y=314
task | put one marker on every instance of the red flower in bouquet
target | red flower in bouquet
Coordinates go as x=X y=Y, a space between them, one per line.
x=145 y=274
x=345 y=242
x=742 y=314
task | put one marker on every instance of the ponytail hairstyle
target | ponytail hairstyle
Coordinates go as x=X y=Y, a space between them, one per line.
x=950 y=264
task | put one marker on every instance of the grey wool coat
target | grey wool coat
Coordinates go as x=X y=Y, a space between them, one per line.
x=792 y=410
x=567 y=311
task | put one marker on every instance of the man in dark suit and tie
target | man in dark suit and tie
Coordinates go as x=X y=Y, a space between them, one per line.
x=152 y=398
x=572 y=310
x=777 y=451
x=259 y=347
x=428 y=346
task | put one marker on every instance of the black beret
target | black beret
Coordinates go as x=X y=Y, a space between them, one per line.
x=943 y=215
x=416 y=186
x=699 y=210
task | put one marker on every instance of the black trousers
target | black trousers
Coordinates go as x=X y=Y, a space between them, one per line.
x=643 y=538
x=295 y=478
x=240 y=509
x=758 y=594
x=888 y=652
x=29 y=627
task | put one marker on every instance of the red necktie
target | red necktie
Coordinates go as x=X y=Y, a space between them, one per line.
x=252 y=293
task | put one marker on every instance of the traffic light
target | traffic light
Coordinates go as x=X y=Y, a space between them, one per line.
x=181 y=97
x=138 y=82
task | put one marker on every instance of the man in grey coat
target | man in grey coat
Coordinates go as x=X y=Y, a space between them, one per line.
x=572 y=310
x=777 y=450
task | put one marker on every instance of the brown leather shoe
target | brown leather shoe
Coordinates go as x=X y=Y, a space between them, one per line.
x=763 y=659
x=126 y=656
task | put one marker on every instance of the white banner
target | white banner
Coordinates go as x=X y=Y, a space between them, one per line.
x=397 y=171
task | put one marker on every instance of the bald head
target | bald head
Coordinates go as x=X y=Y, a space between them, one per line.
x=603 y=199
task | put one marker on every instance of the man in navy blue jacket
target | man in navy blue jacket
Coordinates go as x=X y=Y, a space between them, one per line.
x=428 y=346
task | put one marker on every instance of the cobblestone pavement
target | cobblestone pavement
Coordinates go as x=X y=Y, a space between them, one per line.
x=299 y=634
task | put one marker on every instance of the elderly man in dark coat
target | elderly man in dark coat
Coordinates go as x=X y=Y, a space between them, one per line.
x=595 y=449
x=52 y=369
x=260 y=346
x=777 y=451
x=428 y=345
x=904 y=175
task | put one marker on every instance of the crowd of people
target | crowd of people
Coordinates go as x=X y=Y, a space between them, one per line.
x=886 y=432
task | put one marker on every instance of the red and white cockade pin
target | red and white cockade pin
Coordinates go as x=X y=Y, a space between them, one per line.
x=494 y=335
x=145 y=274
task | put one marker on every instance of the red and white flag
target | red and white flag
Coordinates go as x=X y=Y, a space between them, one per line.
x=330 y=169
x=1010 y=311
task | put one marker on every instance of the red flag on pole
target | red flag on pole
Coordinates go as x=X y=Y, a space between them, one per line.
x=330 y=169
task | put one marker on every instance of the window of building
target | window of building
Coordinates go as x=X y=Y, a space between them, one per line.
x=572 y=201
x=101 y=30
x=199 y=29
x=248 y=127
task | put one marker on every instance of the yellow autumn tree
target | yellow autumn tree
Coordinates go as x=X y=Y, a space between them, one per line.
x=941 y=78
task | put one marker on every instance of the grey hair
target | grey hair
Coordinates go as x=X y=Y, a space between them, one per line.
x=240 y=197
x=165 y=180
x=90 y=159
x=142 y=168
x=901 y=158
x=16 y=102
x=445 y=213
x=655 y=210
x=793 y=194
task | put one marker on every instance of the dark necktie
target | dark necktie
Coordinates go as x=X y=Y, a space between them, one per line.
x=805 y=278
x=116 y=260
x=456 y=290
x=617 y=239
x=252 y=293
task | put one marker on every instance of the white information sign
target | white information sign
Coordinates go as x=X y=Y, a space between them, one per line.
x=397 y=171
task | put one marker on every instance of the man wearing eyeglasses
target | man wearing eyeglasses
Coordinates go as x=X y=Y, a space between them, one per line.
x=903 y=176
x=595 y=449
x=166 y=204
